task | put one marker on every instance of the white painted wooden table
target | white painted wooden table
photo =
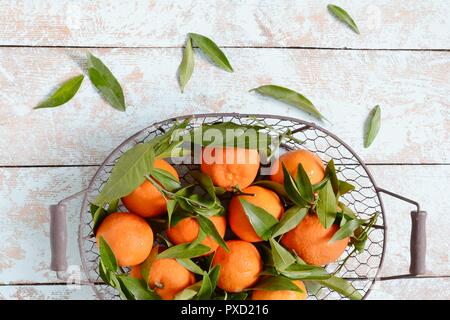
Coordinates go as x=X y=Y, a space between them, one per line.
x=401 y=61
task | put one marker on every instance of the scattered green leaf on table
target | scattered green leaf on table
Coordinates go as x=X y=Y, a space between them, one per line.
x=187 y=65
x=182 y=251
x=373 y=126
x=343 y=16
x=262 y=221
x=290 y=97
x=107 y=256
x=211 y=50
x=290 y=219
x=128 y=173
x=326 y=206
x=137 y=288
x=210 y=229
x=341 y=286
x=282 y=258
x=105 y=82
x=277 y=283
x=63 y=94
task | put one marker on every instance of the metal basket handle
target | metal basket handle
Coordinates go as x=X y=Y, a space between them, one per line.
x=58 y=235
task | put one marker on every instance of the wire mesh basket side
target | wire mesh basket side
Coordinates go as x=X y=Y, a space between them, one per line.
x=364 y=200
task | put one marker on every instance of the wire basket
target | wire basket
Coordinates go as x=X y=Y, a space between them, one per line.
x=360 y=269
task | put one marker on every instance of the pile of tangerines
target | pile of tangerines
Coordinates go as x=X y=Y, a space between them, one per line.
x=239 y=264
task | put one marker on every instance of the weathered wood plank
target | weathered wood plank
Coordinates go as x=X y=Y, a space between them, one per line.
x=24 y=244
x=46 y=292
x=411 y=87
x=383 y=23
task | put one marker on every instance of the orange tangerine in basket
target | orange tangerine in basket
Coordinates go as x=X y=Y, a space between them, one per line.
x=310 y=241
x=230 y=167
x=239 y=268
x=281 y=294
x=258 y=196
x=146 y=200
x=186 y=230
x=167 y=277
x=312 y=164
x=129 y=237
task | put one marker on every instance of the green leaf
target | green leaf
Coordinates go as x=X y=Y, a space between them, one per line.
x=290 y=97
x=341 y=286
x=166 y=179
x=107 y=256
x=214 y=276
x=211 y=50
x=343 y=16
x=210 y=229
x=262 y=221
x=165 y=144
x=346 y=211
x=274 y=186
x=105 y=274
x=182 y=251
x=187 y=65
x=188 y=293
x=330 y=172
x=320 y=184
x=326 y=206
x=105 y=82
x=137 y=288
x=291 y=188
x=345 y=187
x=299 y=271
x=128 y=173
x=229 y=134
x=113 y=206
x=373 y=126
x=304 y=184
x=206 y=289
x=171 y=204
x=205 y=181
x=98 y=214
x=147 y=264
x=290 y=219
x=277 y=283
x=237 y=296
x=282 y=258
x=200 y=237
x=190 y=265
x=63 y=94
x=346 y=230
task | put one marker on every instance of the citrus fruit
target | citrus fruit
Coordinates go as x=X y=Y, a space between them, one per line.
x=129 y=237
x=239 y=268
x=281 y=294
x=167 y=277
x=311 y=163
x=263 y=198
x=230 y=167
x=310 y=241
x=186 y=230
x=146 y=200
